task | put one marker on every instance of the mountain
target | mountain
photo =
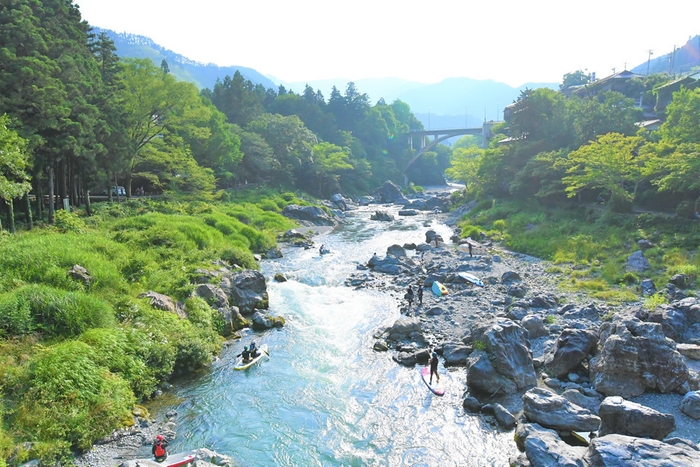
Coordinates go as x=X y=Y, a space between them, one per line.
x=201 y=74
x=681 y=61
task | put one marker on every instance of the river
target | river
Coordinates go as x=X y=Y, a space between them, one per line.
x=324 y=397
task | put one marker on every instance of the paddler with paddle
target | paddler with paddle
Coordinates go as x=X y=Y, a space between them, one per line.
x=434 y=366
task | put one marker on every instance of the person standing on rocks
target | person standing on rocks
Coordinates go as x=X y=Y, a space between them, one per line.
x=433 y=367
x=409 y=296
x=420 y=294
x=469 y=244
x=159 y=449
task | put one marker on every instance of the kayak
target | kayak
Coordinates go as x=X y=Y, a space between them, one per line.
x=471 y=278
x=244 y=366
x=180 y=459
x=439 y=289
x=436 y=388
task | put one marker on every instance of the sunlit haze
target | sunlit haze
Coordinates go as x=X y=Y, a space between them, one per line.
x=510 y=41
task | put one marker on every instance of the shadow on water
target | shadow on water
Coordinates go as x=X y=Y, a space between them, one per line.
x=324 y=397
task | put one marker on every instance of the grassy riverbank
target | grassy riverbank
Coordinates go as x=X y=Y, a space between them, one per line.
x=76 y=355
x=590 y=245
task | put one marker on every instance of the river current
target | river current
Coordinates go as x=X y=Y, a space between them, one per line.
x=324 y=397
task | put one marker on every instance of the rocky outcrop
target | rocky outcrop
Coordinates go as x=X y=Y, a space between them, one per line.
x=404 y=329
x=552 y=411
x=636 y=262
x=571 y=348
x=262 y=321
x=389 y=192
x=79 y=273
x=213 y=295
x=636 y=356
x=160 y=301
x=455 y=354
x=505 y=364
x=621 y=450
x=247 y=290
x=544 y=448
x=382 y=216
x=623 y=417
x=311 y=215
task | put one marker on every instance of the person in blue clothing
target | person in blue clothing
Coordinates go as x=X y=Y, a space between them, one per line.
x=254 y=351
x=434 y=366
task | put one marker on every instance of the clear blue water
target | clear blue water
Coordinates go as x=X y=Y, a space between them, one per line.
x=324 y=397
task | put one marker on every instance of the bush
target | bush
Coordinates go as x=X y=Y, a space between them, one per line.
x=15 y=316
x=69 y=222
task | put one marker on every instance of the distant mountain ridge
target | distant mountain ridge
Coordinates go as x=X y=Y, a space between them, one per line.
x=682 y=61
x=201 y=74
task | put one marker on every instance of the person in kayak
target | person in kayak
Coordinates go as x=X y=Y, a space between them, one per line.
x=254 y=351
x=245 y=354
x=433 y=366
x=159 y=450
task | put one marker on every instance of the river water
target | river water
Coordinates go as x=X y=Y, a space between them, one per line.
x=324 y=397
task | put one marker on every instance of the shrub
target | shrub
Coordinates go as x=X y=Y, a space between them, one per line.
x=15 y=316
x=240 y=256
x=499 y=225
x=69 y=222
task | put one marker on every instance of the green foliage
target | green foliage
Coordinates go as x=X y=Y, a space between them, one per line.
x=69 y=222
x=500 y=225
x=550 y=319
x=655 y=300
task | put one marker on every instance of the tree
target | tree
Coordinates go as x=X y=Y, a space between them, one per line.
x=679 y=170
x=465 y=168
x=328 y=162
x=610 y=163
x=683 y=122
x=576 y=78
x=237 y=98
x=14 y=160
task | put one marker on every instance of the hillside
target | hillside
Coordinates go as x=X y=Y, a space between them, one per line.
x=202 y=75
x=682 y=61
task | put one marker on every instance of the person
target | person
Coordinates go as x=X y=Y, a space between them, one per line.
x=600 y=199
x=420 y=294
x=409 y=296
x=159 y=450
x=469 y=244
x=254 y=350
x=433 y=366
x=245 y=354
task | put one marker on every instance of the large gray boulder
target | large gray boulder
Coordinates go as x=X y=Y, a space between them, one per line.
x=571 y=348
x=690 y=405
x=247 y=290
x=629 y=418
x=636 y=262
x=389 y=192
x=390 y=264
x=381 y=216
x=628 y=451
x=636 y=356
x=544 y=448
x=552 y=411
x=455 y=354
x=396 y=250
x=213 y=295
x=309 y=214
x=534 y=325
x=262 y=322
x=160 y=301
x=505 y=366
x=404 y=328
x=587 y=402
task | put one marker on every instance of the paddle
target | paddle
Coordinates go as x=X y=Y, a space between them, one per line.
x=266 y=352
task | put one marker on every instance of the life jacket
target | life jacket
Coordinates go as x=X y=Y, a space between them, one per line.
x=160 y=451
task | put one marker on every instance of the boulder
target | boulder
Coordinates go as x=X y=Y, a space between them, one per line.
x=681 y=281
x=634 y=357
x=624 y=417
x=396 y=250
x=79 y=273
x=405 y=358
x=505 y=366
x=262 y=321
x=552 y=411
x=238 y=321
x=590 y=312
x=544 y=448
x=279 y=277
x=517 y=289
x=160 y=301
x=435 y=311
x=213 y=295
x=571 y=348
x=503 y=416
x=455 y=354
x=389 y=192
x=403 y=328
x=644 y=244
x=380 y=346
x=534 y=325
x=690 y=405
x=648 y=287
x=691 y=351
x=544 y=300
x=517 y=313
x=472 y=404
x=587 y=402
x=620 y=450
x=309 y=214
x=388 y=265
x=381 y=216
x=247 y=290
x=272 y=253
x=510 y=276
x=408 y=212
x=636 y=262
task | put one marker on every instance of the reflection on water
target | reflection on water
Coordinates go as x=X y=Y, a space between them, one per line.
x=324 y=397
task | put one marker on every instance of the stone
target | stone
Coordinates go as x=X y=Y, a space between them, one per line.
x=380 y=346
x=552 y=411
x=263 y=321
x=213 y=295
x=279 y=277
x=690 y=405
x=644 y=244
x=405 y=358
x=574 y=396
x=634 y=357
x=396 y=250
x=503 y=416
x=636 y=262
x=590 y=312
x=403 y=328
x=408 y=212
x=517 y=313
x=310 y=214
x=681 y=281
x=472 y=404
x=622 y=417
x=570 y=349
x=691 y=351
x=544 y=448
x=247 y=290
x=535 y=326
x=510 y=276
x=622 y=451
x=544 y=300
x=381 y=216
x=648 y=287
x=81 y=274
x=435 y=311
x=517 y=289
x=455 y=353
x=272 y=253
x=160 y=301
x=389 y=192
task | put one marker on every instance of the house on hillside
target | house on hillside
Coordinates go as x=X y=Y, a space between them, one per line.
x=664 y=94
x=619 y=82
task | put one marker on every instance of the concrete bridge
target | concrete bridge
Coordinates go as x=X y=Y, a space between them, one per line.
x=440 y=136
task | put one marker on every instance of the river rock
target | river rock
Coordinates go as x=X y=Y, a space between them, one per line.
x=691 y=351
x=382 y=216
x=544 y=447
x=472 y=404
x=634 y=357
x=517 y=289
x=534 y=325
x=262 y=321
x=544 y=300
x=405 y=358
x=690 y=405
x=636 y=262
x=622 y=451
x=160 y=301
x=435 y=311
x=510 y=276
x=310 y=215
x=396 y=250
x=455 y=354
x=570 y=349
x=503 y=416
x=404 y=328
x=247 y=290
x=213 y=295
x=681 y=281
x=587 y=402
x=272 y=253
x=408 y=212
x=505 y=366
x=79 y=273
x=517 y=313
x=389 y=192
x=591 y=312
x=629 y=418
x=552 y=411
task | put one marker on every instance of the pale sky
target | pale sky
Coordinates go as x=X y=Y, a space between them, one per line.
x=511 y=41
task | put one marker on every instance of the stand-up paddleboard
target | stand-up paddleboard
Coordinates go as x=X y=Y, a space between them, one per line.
x=180 y=459
x=439 y=289
x=243 y=366
x=471 y=278
x=436 y=388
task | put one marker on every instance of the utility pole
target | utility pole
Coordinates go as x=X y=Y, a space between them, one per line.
x=651 y=52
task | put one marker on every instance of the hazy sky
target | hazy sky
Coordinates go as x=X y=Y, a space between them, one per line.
x=512 y=41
